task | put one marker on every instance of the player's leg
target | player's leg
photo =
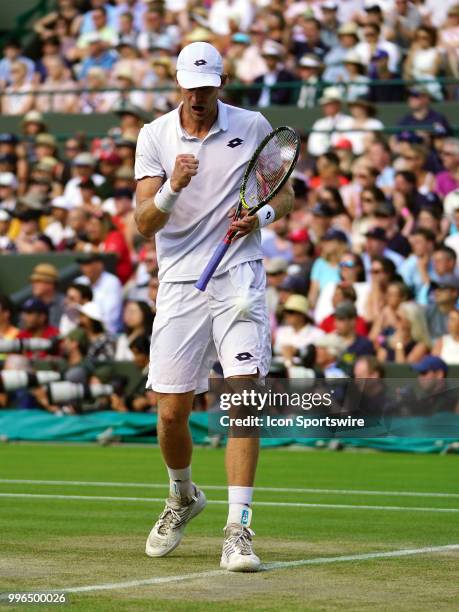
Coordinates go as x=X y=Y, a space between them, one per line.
x=242 y=338
x=180 y=341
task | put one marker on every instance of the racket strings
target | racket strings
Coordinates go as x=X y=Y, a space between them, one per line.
x=269 y=169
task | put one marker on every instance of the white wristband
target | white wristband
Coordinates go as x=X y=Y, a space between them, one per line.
x=165 y=197
x=266 y=215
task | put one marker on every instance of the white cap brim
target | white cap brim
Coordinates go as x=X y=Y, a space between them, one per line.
x=190 y=80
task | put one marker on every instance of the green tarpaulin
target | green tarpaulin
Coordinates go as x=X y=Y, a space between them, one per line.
x=421 y=435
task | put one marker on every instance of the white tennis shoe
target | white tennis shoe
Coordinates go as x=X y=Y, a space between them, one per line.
x=237 y=553
x=168 y=530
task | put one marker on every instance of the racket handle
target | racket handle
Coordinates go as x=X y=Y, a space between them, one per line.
x=213 y=264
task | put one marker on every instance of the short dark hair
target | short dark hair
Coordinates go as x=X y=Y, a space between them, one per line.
x=426 y=233
x=449 y=252
x=141 y=344
x=6 y=304
x=84 y=290
x=410 y=177
x=331 y=157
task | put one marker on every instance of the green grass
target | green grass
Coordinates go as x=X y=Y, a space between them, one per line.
x=50 y=543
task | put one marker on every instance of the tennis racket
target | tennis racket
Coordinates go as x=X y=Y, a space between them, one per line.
x=267 y=172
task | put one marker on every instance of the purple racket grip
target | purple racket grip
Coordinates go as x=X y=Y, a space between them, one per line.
x=216 y=258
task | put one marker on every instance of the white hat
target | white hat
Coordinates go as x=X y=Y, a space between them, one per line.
x=61 y=202
x=4 y=215
x=199 y=65
x=451 y=203
x=273 y=48
x=331 y=94
x=7 y=179
x=92 y=311
x=334 y=344
x=309 y=61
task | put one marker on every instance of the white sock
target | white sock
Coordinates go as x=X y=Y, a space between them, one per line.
x=180 y=482
x=239 y=499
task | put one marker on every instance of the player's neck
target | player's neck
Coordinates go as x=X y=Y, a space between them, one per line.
x=197 y=127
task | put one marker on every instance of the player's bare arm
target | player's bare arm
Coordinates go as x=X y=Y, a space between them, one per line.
x=149 y=219
x=282 y=204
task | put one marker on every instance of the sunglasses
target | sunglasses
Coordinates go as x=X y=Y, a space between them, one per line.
x=347 y=264
x=368 y=200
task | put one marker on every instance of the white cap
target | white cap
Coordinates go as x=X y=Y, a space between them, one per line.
x=273 y=48
x=451 y=204
x=4 y=215
x=199 y=65
x=61 y=202
x=92 y=311
x=7 y=179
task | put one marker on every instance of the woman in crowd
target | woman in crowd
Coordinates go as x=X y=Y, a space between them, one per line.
x=447 y=347
x=18 y=98
x=369 y=200
x=410 y=341
x=424 y=61
x=101 y=345
x=385 y=322
x=138 y=321
x=363 y=119
x=383 y=272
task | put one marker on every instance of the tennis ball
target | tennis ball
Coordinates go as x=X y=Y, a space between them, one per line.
x=244 y=304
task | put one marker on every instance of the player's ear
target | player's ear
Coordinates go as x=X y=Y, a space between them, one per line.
x=224 y=80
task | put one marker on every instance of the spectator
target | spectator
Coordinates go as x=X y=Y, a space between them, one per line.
x=382 y=274
x=6 y=244
x=98 y=56
x=323 y=133
x=75 y=296
x=415 y=161
x=310 y=40
x=349 y=289
x=8 y=188
x=309 y=68
x=446 y=295
x=368 y=367
x=410 y=342
x=58 y=230
x=447 y=346
x=43 y=281
x=101 y=345
x=12 y=54
x=347 y=39
x=18 y=98
x=267 y=95
x=376 y=246
x=363 y=120
x=424 y=61
x=58 y=80
x=155 y=34
x=105 y=286
x=417 y=268
x=35 y=324
x=448 y=180
x=95 y=100
x=137 y=321
x=100 y=30
x=325 y=269
x=329 y=349
x=83 y=169
x=7 y=330
x=357 y=345
x=385 y=216
x=275 y=243
x=29 y=230
x=403 y=23
x=298 y=330
x=381 y=90
x=354 y=79
x=75 y=347
x=422 y=115
x=373 y=42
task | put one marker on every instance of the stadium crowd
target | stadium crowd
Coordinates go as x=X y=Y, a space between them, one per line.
x=364 y=271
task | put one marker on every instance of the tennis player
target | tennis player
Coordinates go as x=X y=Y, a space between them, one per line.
x=189 y=167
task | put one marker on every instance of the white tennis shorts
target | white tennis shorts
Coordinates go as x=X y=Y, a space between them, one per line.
x=193 y=329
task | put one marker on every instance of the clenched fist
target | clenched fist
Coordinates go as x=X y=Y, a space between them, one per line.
x=186 y=166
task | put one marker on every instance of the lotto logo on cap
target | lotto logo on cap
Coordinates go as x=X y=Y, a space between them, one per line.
x=199 y=65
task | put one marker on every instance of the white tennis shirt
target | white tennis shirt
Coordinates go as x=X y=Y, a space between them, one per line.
x=198 y=221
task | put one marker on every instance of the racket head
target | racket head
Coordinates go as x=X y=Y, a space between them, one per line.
x=269 y=168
